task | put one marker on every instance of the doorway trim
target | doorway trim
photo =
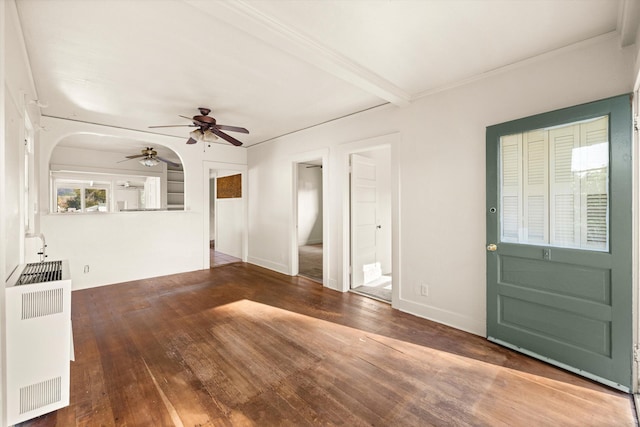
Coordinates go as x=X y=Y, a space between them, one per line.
x=392 y=141
x=308 y=156
x=207 y=168
x=635 y=206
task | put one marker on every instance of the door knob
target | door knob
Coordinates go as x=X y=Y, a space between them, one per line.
x=492 y=247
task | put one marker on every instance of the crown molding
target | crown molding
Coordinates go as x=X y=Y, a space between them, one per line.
x=524 y=62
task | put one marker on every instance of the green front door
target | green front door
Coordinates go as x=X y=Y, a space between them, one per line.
x=559 y=238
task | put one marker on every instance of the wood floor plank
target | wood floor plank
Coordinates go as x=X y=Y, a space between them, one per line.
x=239 y=345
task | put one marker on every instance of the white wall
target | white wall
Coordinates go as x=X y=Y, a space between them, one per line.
x=442 y=174
x=309 y=205
x=16 y=92
x=19 y=91
x=125 y=246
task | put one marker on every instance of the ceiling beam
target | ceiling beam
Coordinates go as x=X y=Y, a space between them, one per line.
x=269 y=30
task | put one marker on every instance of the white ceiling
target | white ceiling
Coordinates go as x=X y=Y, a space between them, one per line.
x=278 y=66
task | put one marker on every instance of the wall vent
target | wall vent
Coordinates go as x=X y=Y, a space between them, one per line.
x=42 y=303
x=41 y=394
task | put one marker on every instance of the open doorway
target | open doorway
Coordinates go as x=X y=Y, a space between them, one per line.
x=309 y=227
x=226 y=219
x=370 y=223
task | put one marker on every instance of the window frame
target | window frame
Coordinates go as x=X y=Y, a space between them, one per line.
x=82 y=185
x=518 y=147
x=619 y=133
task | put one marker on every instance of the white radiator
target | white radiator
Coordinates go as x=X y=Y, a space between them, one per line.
x=38 y=328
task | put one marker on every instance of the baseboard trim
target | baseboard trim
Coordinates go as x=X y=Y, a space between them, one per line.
x=333 y=284
x=449 y=318
x=280 y=268
x=311 y=242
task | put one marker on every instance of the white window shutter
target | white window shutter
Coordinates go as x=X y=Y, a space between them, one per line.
x=536 y=172
x=594 y=183
x=565 y=187
x=511 y=212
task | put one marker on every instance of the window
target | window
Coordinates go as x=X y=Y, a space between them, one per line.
x=554 y=186
x=80 y=196
x=75 y=191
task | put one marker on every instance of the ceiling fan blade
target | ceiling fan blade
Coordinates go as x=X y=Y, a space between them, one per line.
x=195 y=122
x=225 y=136
x=232 y=128
x=124 y=160
x=169 y=162
x=191 y=141
x=136 y=156
x=172 y=126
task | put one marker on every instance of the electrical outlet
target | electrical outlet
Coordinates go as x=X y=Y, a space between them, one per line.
x=86 y=269
x=424 y=290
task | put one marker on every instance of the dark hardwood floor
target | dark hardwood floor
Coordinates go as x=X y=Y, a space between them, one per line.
x=241 y=345
x=218 y=258
x=310 y=261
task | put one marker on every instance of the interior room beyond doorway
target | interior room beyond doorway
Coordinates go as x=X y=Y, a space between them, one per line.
x=310 y=219
x=371 y=248
x=225 y=217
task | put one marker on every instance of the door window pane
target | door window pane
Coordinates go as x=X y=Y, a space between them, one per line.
x=554 y=186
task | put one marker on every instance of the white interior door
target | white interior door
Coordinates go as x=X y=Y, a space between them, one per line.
x=363 y=219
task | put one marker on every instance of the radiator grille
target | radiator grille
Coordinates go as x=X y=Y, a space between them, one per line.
x=42 y=303
x=39 y=272
x=41 y=394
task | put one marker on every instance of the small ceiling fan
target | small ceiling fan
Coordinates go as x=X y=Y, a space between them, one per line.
x=128 y=186
x=149 y=157
x=208 y=129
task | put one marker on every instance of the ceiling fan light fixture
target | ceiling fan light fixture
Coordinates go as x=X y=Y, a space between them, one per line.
x=203 y=135
x=149 y=162
x=209 y=136
x=196 y=134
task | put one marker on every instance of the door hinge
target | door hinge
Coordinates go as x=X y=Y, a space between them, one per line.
x=636 y=123
x=636 y=353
